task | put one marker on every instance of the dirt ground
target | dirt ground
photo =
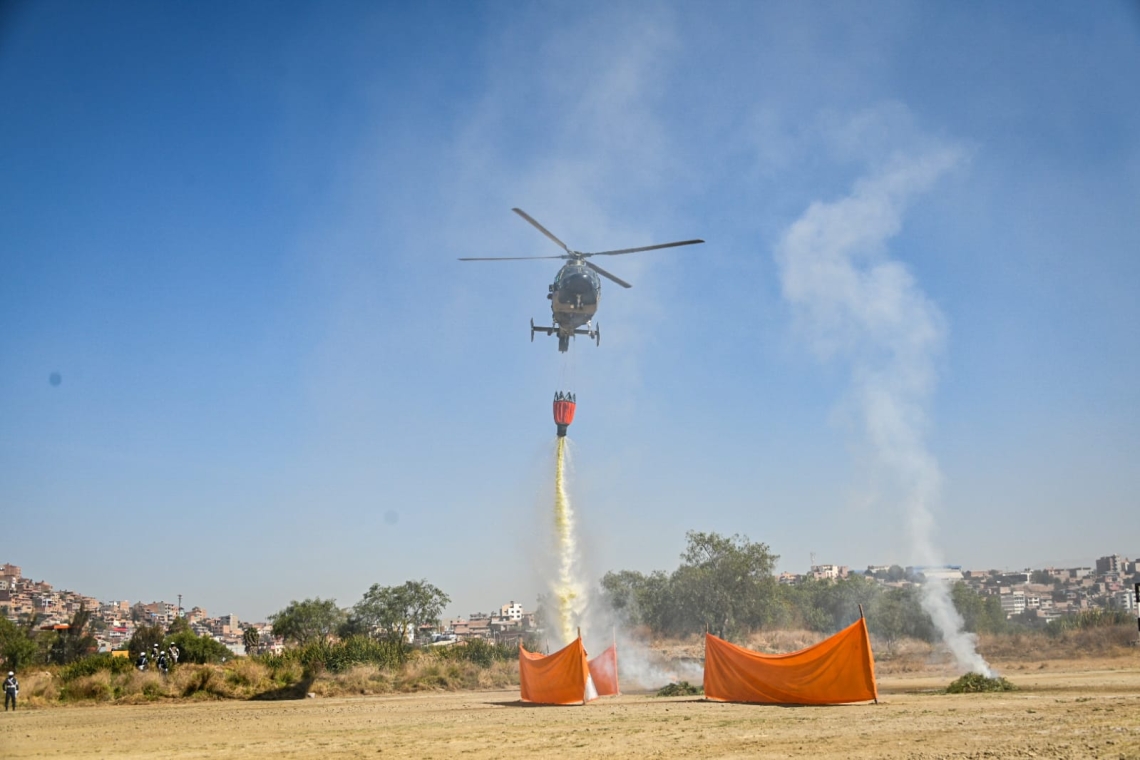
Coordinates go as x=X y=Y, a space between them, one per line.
x=1077 y=709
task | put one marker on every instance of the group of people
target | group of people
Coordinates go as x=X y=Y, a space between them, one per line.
x=162 y=658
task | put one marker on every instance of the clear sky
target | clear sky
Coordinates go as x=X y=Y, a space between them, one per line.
x=232 y=230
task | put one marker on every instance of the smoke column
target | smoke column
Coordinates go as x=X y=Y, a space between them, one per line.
x=853 y=300
x=568 y=589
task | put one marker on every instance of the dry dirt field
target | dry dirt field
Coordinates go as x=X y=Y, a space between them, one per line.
x=1076 y=709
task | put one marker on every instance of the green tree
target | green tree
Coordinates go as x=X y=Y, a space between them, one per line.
x=898 y=613
x=145 y=638
x=251 y=639
x=392 y=612
x=75 y=641
x=980 y=614
x=725 y=583
x=198 y=649
x=18 y=646
x=307 y=621
x=803 y=606
x=178 y=625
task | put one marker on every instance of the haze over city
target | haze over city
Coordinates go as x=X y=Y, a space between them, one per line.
x=241 y=362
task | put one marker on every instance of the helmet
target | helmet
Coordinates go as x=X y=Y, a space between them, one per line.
x=11 y=673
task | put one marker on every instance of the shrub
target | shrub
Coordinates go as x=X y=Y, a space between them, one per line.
x=98 y=663
x=974 y=683
x=478 y=651
x=682 y=689
x=199 y=649
x=206 y=681
x=1089 y=619
x=96 y=687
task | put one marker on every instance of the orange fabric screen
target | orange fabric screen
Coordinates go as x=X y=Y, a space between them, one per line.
x=836 y=670
x=555 y=679
x=603 y=669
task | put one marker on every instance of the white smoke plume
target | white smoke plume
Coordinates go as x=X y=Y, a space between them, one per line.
x=852 y=300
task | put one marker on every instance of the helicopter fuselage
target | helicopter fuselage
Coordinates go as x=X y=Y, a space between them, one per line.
x=577 y=289
x=574 y=296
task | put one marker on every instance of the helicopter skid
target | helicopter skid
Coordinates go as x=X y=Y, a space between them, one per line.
x=594 y=332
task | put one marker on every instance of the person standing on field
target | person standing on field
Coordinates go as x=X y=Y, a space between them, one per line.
x=11 y=689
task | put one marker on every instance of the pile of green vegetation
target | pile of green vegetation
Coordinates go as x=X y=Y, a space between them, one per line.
x=974 y=683
x=682 y=689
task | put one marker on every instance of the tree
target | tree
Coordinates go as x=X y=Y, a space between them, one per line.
x=307 y=621
x=980 y=614
x=804 y=607
x=392 y=612
x=178 y=625
x=145 y=639
x=251 y=639
x=18 y=647
x=725 y=583
x=74 y=642
x=898 y=613
x=198 y=649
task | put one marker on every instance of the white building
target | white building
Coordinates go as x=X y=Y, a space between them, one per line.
x=512 y=611
x=828 y=572
x=1123 y=600
x=1013 y=604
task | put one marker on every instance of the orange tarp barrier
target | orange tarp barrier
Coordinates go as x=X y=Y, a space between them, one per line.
x=836 y=670
x=562 y=678
x=603 y=669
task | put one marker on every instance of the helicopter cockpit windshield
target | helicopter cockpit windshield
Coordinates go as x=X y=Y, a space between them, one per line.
x=573 y=270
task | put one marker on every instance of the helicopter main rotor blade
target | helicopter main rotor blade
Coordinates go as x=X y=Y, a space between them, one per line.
x=541 y=229
x=645 y=248
x=512 y=258
x=604 y=273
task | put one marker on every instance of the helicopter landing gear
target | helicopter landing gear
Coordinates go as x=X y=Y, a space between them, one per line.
x=591 y=332
x=534 y=329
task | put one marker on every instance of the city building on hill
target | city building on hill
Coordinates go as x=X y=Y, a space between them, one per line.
x=1113 y=563
x=948 y=573
x=828 y=572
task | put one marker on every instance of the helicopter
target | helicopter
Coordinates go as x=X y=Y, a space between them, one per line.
x=576 y=291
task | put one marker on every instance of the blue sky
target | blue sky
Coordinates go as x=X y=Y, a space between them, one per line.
x=233 y=231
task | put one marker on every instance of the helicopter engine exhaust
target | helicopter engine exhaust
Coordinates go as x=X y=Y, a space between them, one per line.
x=564 y=406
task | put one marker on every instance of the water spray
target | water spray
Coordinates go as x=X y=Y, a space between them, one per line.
x=568 y=589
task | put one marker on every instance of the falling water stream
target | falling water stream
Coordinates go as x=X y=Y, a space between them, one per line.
x=568 y=589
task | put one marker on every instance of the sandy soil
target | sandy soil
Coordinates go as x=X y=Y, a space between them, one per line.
x=1062 y=710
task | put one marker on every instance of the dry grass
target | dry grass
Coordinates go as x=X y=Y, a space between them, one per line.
x=1083 y=712
x=779 y=642
x=248 y=679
